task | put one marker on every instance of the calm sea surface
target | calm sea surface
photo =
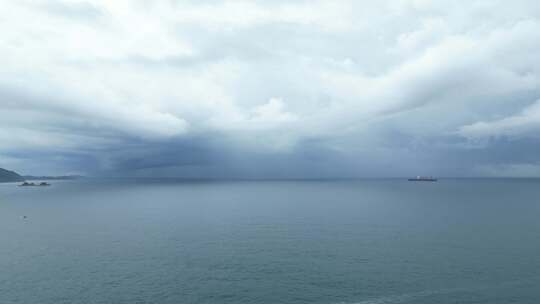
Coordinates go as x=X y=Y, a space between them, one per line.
x=367 y=241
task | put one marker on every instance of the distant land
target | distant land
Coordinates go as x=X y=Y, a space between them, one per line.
x=7 y=176
x=62 y=177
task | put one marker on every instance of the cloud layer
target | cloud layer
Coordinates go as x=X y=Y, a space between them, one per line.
x=270 y=89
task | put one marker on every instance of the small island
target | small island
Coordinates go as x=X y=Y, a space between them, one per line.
x=27 y=184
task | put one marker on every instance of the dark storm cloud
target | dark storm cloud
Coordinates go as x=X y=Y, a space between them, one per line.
x=271 y=89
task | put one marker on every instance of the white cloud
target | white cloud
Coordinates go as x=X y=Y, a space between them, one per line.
x=272 y=113
x=79 y=74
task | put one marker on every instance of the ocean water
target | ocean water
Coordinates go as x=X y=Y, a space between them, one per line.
x=364 y=241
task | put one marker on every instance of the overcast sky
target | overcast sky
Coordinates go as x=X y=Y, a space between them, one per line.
x=272 y=89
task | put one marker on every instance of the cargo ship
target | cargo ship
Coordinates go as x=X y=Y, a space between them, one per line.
x=423 y=179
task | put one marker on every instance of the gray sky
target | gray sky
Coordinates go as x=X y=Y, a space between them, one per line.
x=271 y=89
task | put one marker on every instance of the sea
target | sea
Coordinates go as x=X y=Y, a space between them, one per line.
x=369 y=241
